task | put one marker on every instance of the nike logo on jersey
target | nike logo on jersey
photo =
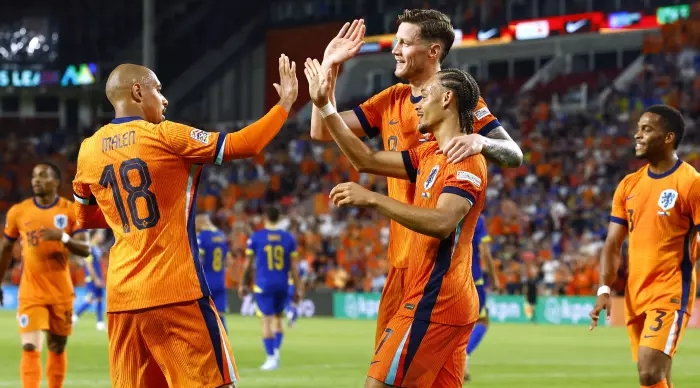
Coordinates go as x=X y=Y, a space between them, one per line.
x=649 y=336
x=374 y=362
x=630 y=197
x=393 y=122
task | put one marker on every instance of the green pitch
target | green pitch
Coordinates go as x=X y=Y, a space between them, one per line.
x=336 y=353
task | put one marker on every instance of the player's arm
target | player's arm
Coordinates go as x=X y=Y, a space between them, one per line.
x=439 y=222
x=485 y=252
x=10 y=235
x=364 y=159
x=78 y=244
x=611 y=255
x=319 y=129
x=88 y=214
x=247 y=276
x=294 y=270
x=90 y=267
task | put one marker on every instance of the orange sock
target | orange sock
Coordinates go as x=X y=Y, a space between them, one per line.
x=30 y=368
x=56 y=367
x=661 y=384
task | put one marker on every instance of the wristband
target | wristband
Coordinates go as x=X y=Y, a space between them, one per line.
x=603 y=290
x=65 y=238
x=327 y=110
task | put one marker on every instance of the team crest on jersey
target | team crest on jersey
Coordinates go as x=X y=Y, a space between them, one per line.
x=431 y=178
x=23 y=320
x=60 y=221
x=200 y=136
x=667 y=199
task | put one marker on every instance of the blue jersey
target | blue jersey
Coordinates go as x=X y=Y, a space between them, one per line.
x=95 y=258
x=480 y=235
x=213 y=248
x=273 y=250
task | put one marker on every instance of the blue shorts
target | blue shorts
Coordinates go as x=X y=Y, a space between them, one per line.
x=93 y=291
x=290 y=294
x=271 y=303
x=483 y=311
x=220 y=298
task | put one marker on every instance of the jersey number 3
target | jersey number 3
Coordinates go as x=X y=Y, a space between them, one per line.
x=141 y=190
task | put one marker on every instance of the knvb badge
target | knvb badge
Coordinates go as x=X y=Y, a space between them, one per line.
x=667 y=200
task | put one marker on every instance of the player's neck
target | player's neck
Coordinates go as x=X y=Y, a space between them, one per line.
x=446 y=130
x=271 y=226
x=46 y=199
x=663 y=164
x=419 y=80
x=127 y=110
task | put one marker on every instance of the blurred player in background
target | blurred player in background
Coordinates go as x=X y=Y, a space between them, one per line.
x=138 y=176
x=94 y=281
x=45 y=223
x=481 y=250
x=423 y=40
x=424 y=344
x=658 y=207
x=215 y=256
x=273 y=252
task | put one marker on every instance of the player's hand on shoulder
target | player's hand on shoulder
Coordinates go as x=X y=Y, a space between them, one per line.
x=345 y=45
x=603 y=302
x=462 y=147
x=51 y=234
x=319 y=82
x=350 y=194
x=288 y=88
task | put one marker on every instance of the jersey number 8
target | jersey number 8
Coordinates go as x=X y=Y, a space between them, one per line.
x=218 y=260
x=141 y=190
x=275 y=257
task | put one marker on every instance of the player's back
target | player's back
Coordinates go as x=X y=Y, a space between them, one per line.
x=439 y=286
x=273 y=250
x=95 y=258
x=144 y=178
x=660 y=215
x=213 y=248
x=45 y=266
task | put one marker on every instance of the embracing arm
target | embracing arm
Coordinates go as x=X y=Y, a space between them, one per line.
x=439 y=222
x=79 y=244
x=501 y=149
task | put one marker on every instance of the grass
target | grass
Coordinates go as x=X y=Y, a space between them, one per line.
x=322 y=352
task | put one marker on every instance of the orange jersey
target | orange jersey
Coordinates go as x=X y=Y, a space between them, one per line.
x=144 y=179
x=392 y=113
x=45 y=271
x=662 y=213
x=439 y=286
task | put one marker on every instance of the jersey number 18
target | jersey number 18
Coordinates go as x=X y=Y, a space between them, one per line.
x=109 y=179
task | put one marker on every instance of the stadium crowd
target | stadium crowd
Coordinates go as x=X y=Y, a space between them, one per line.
x=548 y=218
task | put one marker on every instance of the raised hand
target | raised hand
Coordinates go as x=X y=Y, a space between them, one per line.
x=319 y=82
x=288 y=88
x=345 y=45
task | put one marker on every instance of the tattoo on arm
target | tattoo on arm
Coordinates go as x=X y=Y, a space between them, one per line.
x=502 y=149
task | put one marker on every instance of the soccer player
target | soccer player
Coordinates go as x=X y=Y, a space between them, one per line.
x=274 y=252
x=480 y=249
x=424 y=343
x=94 y=281
x=658 y=207
x=423 y=40
x=49 y=233
x=215 y=256
x=138 y=176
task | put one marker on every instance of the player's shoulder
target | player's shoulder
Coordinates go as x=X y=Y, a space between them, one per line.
x=426 y=148
x=64 y=203
x=22 y=205
x=634 y=177
x=394 y=92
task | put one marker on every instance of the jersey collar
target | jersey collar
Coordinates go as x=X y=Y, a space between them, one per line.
x=122 y=120
x=415 y=99
x=665 y=174
x=40 y=206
